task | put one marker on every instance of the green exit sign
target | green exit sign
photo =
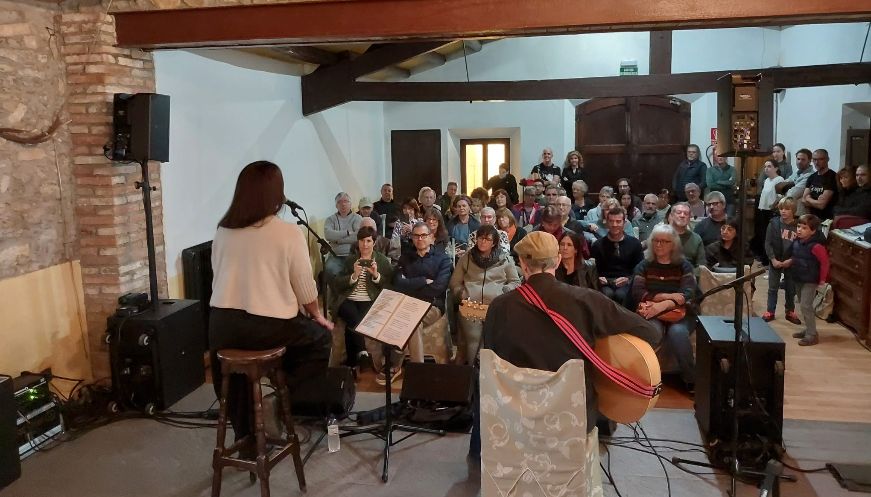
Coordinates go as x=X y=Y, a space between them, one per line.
x=628 y=68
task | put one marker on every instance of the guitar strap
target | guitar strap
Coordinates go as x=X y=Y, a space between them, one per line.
x=626 y=381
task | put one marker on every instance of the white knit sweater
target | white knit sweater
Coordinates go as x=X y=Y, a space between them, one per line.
x=263 y=270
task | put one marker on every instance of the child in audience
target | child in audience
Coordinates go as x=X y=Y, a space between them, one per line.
x=809 y=264
x=778 y=247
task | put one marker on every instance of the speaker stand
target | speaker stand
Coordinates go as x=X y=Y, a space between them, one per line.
x=146 y=187
x=385 y=429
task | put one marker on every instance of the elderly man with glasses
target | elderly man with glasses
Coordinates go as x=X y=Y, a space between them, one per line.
x=709 y=227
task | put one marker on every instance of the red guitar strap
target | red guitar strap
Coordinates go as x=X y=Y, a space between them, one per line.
x=619 y=377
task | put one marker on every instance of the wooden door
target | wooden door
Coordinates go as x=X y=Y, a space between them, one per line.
x=416 y=156
x=640 y=138
x=858 y=149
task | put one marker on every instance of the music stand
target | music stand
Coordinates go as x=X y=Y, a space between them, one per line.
x=384 y=430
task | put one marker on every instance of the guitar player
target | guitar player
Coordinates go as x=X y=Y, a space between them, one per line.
x=525 y=336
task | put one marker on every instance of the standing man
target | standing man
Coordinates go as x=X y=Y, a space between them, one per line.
x=447 y=199
x=797 y=181
x=504 y=181
x=616 y=256
x=690 y=170
x=387 y=206
x=721 y=178
x=649 y=218
x=546 y=170
x=821 y=192
x=693 y=247
x=709 y=227
x=340 y=230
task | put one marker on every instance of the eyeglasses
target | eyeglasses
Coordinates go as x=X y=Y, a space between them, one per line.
x=485 y=239
x=715 y=202
x=658 y=241
x=419 y=236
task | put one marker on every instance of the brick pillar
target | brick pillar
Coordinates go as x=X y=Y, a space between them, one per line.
x=109 y=209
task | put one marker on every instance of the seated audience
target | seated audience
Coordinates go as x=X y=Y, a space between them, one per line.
x=564 y=204
x=598 y=212
x=697 y=206
x=483 y=273
x=723 y=253
x=505 y=221
x=426 y=198
x=500 y=199
x=382 y=243
x=447 y=198
x=778 y=248
x=433 y=218
x=462 y=224
x=611 y=203
x=409 y=215
x=625 y=186
x=663 y=202
x=357 y=286
x=691 y=243
x=365 y=209
x=854 y=206
x=573 y=269
x=580 y=205
x=387 y=207
x=616 y=256
x=709 y=227
x=525 y=212
x=488 y=217
x=423 y=274
x=664 y=280
x=479 y=198
x=649 y=218
x=627 y=202
x=551 y=222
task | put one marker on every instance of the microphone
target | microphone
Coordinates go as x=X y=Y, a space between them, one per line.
x=293 y=205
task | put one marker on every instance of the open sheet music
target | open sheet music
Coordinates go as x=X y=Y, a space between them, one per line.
x=393 y=318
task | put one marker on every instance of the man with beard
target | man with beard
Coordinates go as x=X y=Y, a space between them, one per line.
x=709 y=227
x=650 y=217
x=821 y=191
x=690 y=170
x=616 y=256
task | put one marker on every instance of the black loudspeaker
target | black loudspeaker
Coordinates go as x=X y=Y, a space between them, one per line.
x=745 y=115
x=760 y=408
x=10 y=464
x=196 y=263
x=335 y=397
x=157 y=355
x=449 y=384
x=140 y=127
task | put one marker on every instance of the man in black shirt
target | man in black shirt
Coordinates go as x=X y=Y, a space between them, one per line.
x=821 y=191
x=616 y=257
x=546 y=169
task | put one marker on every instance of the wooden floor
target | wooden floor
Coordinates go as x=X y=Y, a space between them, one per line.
x=830 y=381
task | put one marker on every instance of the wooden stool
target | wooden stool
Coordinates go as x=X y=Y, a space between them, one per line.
x=255 y=364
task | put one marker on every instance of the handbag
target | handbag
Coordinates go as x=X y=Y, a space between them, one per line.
x=670 y=316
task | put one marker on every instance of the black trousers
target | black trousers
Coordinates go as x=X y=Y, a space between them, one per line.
x=352 y=312
x=306 y=359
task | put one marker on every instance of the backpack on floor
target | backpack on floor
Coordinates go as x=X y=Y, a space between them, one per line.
x=824 y=302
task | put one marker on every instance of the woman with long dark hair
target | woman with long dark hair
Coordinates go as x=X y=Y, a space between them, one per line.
x=262 y=277
x=572 y=268
x=436 y=222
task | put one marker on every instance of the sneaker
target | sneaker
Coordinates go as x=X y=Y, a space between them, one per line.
x=792 y=317
x=809 y=341
x=364 y=361
x=798 y=334
x=768 y=316
x=381 y=378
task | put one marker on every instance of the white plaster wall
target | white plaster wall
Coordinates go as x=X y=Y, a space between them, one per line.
x=700 y=50
x=530 y=125
x=225 y=115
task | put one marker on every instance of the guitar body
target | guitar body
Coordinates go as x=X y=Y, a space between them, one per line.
x=634 y=357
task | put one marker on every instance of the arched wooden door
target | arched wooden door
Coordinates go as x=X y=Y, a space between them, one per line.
x=641 y=138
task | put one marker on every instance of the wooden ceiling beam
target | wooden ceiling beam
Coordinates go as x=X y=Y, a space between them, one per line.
x=660 y=52
x=614 y=86
x=379 y=20
x=310 y=55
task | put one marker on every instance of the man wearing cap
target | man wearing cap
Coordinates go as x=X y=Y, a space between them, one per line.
x=364 y=208
x=523 y=335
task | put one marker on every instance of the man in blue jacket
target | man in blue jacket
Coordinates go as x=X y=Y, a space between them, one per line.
x=690 y=170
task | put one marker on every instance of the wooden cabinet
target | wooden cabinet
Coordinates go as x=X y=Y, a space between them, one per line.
x=851 y=280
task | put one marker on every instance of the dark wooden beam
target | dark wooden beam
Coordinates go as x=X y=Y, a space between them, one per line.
x=660 y=52
x=311 y=55
x=374 y=20
x=329 y=86
x=614 y=86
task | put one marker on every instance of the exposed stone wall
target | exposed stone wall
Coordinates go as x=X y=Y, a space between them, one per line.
x=109 y=209
x=133 y=5
x=37 y=229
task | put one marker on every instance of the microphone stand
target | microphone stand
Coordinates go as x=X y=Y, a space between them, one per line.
x=325 y=249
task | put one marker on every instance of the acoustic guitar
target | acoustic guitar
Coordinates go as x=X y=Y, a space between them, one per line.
x=634 y=357
x=472 y=310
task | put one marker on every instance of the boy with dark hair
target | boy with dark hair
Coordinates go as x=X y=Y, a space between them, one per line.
x=809 y=265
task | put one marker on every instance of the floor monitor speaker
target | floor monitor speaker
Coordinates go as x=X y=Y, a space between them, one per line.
x=10 y=464
x=444 y=383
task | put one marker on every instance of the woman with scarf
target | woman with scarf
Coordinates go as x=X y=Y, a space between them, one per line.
x=482 y=274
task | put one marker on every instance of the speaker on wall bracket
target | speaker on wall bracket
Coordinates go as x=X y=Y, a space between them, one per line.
x=745 y=115
x=140 y=128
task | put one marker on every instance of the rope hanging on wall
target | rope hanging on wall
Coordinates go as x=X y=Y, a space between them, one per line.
x=27 y=137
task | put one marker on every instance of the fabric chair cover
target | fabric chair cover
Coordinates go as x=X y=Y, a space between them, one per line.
x=723 y=303
x=534 y=440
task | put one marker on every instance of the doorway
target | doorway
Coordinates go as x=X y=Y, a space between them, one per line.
x=480 y=159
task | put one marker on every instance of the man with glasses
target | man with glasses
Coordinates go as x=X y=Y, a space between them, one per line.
x=616 y=256
x=709 y=227
x=690 y=170
x=693 y=247
x=821 y=191
x=423 y=274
